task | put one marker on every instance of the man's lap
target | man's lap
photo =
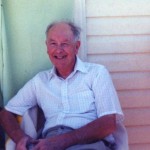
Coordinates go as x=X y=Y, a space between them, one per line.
x=62 y=129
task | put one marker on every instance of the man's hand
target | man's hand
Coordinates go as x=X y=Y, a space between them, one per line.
x=22 y=144
x=53 y=143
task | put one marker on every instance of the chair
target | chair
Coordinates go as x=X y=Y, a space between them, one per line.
x=122 y=143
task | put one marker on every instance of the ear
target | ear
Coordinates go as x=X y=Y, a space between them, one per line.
x=77 y=46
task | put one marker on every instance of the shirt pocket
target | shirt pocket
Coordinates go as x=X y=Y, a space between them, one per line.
x=82 y=102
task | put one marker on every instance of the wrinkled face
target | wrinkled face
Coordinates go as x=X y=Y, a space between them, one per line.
x=61 y=46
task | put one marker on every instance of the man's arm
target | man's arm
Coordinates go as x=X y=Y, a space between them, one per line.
x=92 y=132
x=10 y=124
x=96 y=130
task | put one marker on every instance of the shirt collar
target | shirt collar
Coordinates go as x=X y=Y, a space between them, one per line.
x=52 y=72
x=79 y=66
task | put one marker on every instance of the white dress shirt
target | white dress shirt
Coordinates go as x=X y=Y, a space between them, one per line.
x=85 y=95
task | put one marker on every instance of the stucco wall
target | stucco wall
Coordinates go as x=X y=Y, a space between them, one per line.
x=23 y=51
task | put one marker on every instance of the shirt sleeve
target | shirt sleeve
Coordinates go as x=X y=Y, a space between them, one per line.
x=23 y=100
x=106 y=98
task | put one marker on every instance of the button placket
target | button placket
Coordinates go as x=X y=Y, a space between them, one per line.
x=64 y=101
x=64 y=93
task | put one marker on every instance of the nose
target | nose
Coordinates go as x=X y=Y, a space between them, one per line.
x=59 y=48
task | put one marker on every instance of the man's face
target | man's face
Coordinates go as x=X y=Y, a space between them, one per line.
x=61 y=47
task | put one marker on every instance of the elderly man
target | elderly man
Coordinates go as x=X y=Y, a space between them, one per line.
x=78 y=99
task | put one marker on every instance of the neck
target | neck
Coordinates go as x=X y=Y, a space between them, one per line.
x=63 y=73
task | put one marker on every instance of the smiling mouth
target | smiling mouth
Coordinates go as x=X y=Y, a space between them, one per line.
x=60 y=57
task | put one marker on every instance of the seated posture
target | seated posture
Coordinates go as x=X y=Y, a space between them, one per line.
x=78 y=99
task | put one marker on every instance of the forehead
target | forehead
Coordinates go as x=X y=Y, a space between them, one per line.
x=60 y=30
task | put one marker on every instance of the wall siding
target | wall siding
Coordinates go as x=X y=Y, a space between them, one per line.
x=118 y=36
x=118 y=44
x=108 y=8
